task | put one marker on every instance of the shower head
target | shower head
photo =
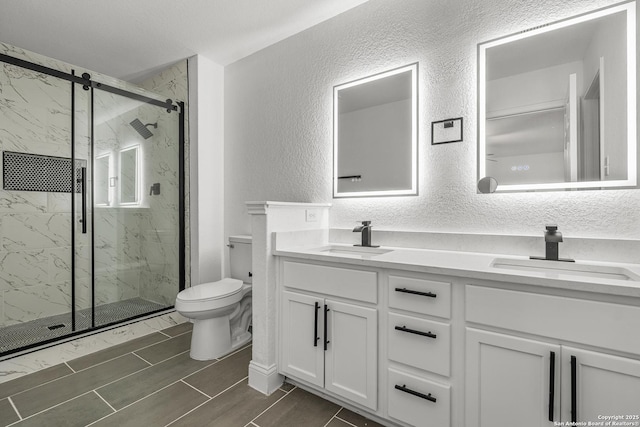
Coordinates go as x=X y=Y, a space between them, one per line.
x=142 y=129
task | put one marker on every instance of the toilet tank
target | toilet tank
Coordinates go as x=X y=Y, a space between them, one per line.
x=240 y=257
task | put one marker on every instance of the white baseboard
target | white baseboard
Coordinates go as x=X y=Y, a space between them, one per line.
x=265 y=379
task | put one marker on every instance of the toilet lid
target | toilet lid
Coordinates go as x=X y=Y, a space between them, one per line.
x=213 y=290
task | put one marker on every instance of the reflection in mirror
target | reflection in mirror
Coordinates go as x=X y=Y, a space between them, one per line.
x=101 y=180
x=375 y=135
x=129 y=176
x=557 y=104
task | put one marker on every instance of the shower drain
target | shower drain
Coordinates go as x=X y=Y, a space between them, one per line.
x=58 y=326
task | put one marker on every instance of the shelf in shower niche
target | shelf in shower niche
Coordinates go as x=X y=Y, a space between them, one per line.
x=35 y=172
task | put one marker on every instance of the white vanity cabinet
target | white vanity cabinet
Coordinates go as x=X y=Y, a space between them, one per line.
x=513 y=379
x=330 y=341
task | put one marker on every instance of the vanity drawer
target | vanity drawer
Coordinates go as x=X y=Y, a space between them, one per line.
x=411 y=400
x=341 y=282
x=600 y=324
x=420 y=343
x=420 y=296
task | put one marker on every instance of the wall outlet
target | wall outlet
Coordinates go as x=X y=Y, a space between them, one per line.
x=311 y=215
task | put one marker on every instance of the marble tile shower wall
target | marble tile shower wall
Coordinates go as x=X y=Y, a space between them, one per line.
x=35 y=246
x=159 y=229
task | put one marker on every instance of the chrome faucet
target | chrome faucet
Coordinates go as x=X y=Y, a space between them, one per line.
x=365 y=229
x=551 y=239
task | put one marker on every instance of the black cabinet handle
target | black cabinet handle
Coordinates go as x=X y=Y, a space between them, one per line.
x=315 y=325
x=552 y=383
x=83 y=183
x=574 y=390
x=416 y=393
x=410 y=291
x=326 y=341
x=413 y=331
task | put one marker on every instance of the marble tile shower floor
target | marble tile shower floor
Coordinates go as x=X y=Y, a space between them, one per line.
x=151 y=381
x=36 y=331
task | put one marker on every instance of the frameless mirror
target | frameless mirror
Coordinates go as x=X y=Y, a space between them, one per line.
x=101 y=180
x=557 y=104
x=129 y=176
x=375 y=135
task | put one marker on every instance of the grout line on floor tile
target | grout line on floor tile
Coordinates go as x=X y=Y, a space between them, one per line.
x=133 y=351
x=287 y=392
x=230 y=387
x=14 y=407
x=36 y=386
x=49 y=408
x=334 y=416
x=166 y=335
x=198 y=390
x=68 y=366
x=142 y=358
x=206 y=401
x=344 y=421
x=104 y=361
x=272 y=405
x=100 y=419
x=145 y=368
x=235 y=352
x=146 y=396
x=103 y=399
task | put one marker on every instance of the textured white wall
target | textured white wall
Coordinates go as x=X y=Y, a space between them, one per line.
x=206 y=95
x=278 y=113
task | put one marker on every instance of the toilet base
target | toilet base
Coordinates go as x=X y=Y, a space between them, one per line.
x=211 y=338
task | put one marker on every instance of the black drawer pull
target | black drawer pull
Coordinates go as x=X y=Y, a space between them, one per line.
x=552 y=382
x=574 y=389
x=416 y=393
x=413 y=331
x=315 y=325
x=409 y=291
x=326 y=315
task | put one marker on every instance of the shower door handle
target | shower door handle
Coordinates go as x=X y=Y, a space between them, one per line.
x=83 y=183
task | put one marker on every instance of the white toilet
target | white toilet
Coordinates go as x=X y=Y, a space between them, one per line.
x=221 y=311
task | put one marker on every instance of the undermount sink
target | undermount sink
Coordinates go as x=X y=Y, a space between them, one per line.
x=361 y=251
x=568 y=268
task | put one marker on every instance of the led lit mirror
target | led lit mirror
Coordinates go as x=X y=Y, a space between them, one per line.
x=375 y=135
x=557 y=104
x=101 y=180
x=129 y=176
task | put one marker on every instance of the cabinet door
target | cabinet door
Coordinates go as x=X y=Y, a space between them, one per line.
x=601 y=384
x=511 y=381
x=301 y=337
x=351 y=359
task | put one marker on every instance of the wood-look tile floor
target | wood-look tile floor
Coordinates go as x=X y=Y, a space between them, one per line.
x=151 y=381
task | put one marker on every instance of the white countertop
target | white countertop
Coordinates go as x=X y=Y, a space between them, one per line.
x=474 y=266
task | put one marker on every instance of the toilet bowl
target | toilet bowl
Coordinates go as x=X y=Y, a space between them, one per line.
x=221 y=311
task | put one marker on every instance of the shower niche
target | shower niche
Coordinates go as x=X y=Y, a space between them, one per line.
x=84 y=247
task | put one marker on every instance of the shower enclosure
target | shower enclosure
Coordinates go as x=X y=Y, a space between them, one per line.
x=91 y=204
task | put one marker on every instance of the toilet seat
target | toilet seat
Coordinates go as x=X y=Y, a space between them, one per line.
x=210 y=291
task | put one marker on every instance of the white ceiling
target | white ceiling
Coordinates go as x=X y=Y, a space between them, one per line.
x=130 y=39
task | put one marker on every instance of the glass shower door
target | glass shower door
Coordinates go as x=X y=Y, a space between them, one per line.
x=36 y=244
x=135 y=210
